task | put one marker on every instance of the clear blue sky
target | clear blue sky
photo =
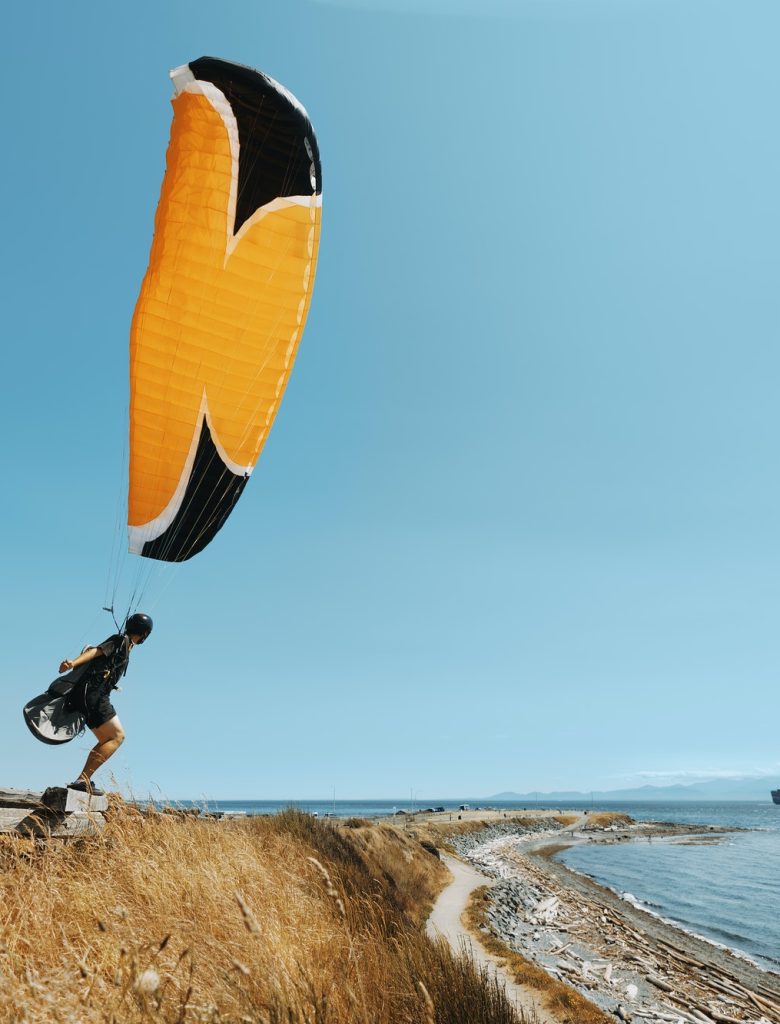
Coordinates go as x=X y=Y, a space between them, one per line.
x=517 y=525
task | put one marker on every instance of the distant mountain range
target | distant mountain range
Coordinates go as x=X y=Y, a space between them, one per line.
x=715 y=789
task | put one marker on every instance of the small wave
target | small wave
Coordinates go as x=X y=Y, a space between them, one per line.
x=689 y=930
x=761 y=960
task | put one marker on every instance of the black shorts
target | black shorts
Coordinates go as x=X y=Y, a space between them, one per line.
x=99 y=712
x=91 y=698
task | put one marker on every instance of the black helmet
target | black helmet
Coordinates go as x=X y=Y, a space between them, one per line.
x=140 y=625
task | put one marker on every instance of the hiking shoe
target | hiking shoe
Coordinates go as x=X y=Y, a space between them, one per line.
x=82 y=786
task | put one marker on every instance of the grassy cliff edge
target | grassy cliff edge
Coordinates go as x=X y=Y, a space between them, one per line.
x=175 y=918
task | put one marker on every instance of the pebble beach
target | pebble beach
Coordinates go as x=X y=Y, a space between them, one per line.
x=627 y=960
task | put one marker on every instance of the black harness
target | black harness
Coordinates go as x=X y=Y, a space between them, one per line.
x=117 y=662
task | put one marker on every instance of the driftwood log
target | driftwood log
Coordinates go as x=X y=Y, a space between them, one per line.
x=54 y=812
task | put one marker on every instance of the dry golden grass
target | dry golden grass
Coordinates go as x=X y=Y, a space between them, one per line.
x=561 y=1000
x=174 y=919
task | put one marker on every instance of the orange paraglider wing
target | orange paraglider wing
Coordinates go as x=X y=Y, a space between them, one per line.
x=223 y=303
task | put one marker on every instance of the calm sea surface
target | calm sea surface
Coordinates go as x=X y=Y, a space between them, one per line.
x=728 y=892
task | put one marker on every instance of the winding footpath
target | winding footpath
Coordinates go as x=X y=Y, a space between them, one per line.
x=445 y=922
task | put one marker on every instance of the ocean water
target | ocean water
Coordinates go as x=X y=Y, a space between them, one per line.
x=728 y=892
x=365 y=808
x=323 y=808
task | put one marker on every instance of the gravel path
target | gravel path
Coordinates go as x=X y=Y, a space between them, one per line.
x=445 y=921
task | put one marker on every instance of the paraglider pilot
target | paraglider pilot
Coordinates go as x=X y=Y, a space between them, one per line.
x=91 y=695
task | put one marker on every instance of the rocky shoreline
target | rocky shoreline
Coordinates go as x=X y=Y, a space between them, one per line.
x=626 y=960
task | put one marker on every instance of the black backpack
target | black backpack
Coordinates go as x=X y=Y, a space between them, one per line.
x=50 y=717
